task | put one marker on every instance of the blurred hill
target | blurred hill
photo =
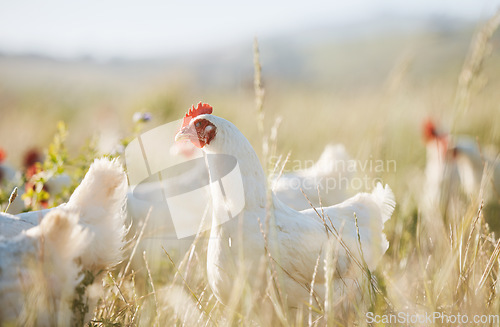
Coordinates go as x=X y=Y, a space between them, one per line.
x=338 y=54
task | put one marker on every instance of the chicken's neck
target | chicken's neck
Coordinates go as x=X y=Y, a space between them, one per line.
x=252 y=175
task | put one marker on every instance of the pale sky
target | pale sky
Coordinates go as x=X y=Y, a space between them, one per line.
x=149 y=28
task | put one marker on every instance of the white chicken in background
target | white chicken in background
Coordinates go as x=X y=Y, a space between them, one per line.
x=471 y=161
x=456 y=164
x=442 y=181
x=326 y=182
x=237 y=246
x=85 y=234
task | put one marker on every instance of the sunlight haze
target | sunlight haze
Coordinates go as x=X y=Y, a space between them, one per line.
x=107 y=29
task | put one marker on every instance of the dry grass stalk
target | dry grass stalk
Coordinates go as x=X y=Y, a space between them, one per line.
x=479 y=50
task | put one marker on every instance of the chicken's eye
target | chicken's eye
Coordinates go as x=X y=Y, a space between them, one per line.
x=198 y=124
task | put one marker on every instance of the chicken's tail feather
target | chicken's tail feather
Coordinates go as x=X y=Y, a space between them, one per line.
x=384 y=198
x=100 y=200
x=103 y=185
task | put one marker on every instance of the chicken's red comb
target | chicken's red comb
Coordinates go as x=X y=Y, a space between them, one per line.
x=430 y=131
x=3 y=155
x=201 y=109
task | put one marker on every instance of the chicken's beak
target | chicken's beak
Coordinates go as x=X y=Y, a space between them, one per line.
x=186 y=133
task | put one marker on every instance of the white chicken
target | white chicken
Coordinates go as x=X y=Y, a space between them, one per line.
x=331 y=174
x=455 y=163
x=236 y=246
x=471 y=161
x=442 y=181
x=44 y=254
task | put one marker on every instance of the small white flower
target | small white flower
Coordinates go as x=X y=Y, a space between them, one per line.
x=141 y=117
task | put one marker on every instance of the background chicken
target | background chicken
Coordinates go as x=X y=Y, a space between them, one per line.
x=46 y=254
x=327 y=181
x=295 y=240
x=442 y=181
x=476 y=166
x=456 y=164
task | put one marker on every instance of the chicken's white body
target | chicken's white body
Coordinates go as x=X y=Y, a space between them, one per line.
x=295 y=239
x=471 y=162
x=85 y=234
x=326 y=182
x=455 y=166
x=442 y=180
x=38 y=269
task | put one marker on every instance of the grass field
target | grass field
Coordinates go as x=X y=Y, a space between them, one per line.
x=434 y=264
